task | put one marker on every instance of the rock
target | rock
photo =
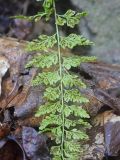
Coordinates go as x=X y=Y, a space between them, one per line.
x=102 y=27
x=104 y=137
x=4 y=66
x=112 y=134
x=111 y=123
x=34 y=144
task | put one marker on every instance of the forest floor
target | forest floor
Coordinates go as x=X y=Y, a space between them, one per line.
x=19 y=137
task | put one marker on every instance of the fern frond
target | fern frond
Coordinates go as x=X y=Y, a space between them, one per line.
x=47 y=78
x=70 y=80
x=48 y=8
x=73 y=95
x=75 y=61
x=75 y=134
x=35 y=18
x=43 y=61
x=42 y=43
x=75 y=110
x=71 y=18
x=50 y=121
x=73 y=40
x=75 y=123
x=62 y=112
x=48 y=108
x=52 y=94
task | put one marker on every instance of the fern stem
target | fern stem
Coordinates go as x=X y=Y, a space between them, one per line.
x=61 y=84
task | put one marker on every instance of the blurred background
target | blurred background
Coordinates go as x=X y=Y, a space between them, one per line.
x=102 y=25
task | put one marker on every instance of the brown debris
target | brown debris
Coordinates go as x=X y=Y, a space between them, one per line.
x=103 y=79
x=104 y=107
x=19 y=102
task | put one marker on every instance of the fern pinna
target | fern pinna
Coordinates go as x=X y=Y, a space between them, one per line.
x=63 y=114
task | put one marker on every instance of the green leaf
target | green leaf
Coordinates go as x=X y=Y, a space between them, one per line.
x=73 y=18
x=69 y=62
x=83 y=124
x=52 y=94
x=47 y=78
x=43 y=61
x=42 y=43
x=70 y=80
x=73 y=40
x=48 y=7
x=87 y=59
x=67 y=111
x=47 y=4
x=76 y=135
x=79 y=112
x=35 y=18
x=69 y=123
x=48 y=108
x=75 y=61
x=74 y=95
x=56 y=151
x=57 y=158
x=60 y=21
x=75 y=123
x=57 y=132
x=50 y=121
x=72 y=147
x=75 y=110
